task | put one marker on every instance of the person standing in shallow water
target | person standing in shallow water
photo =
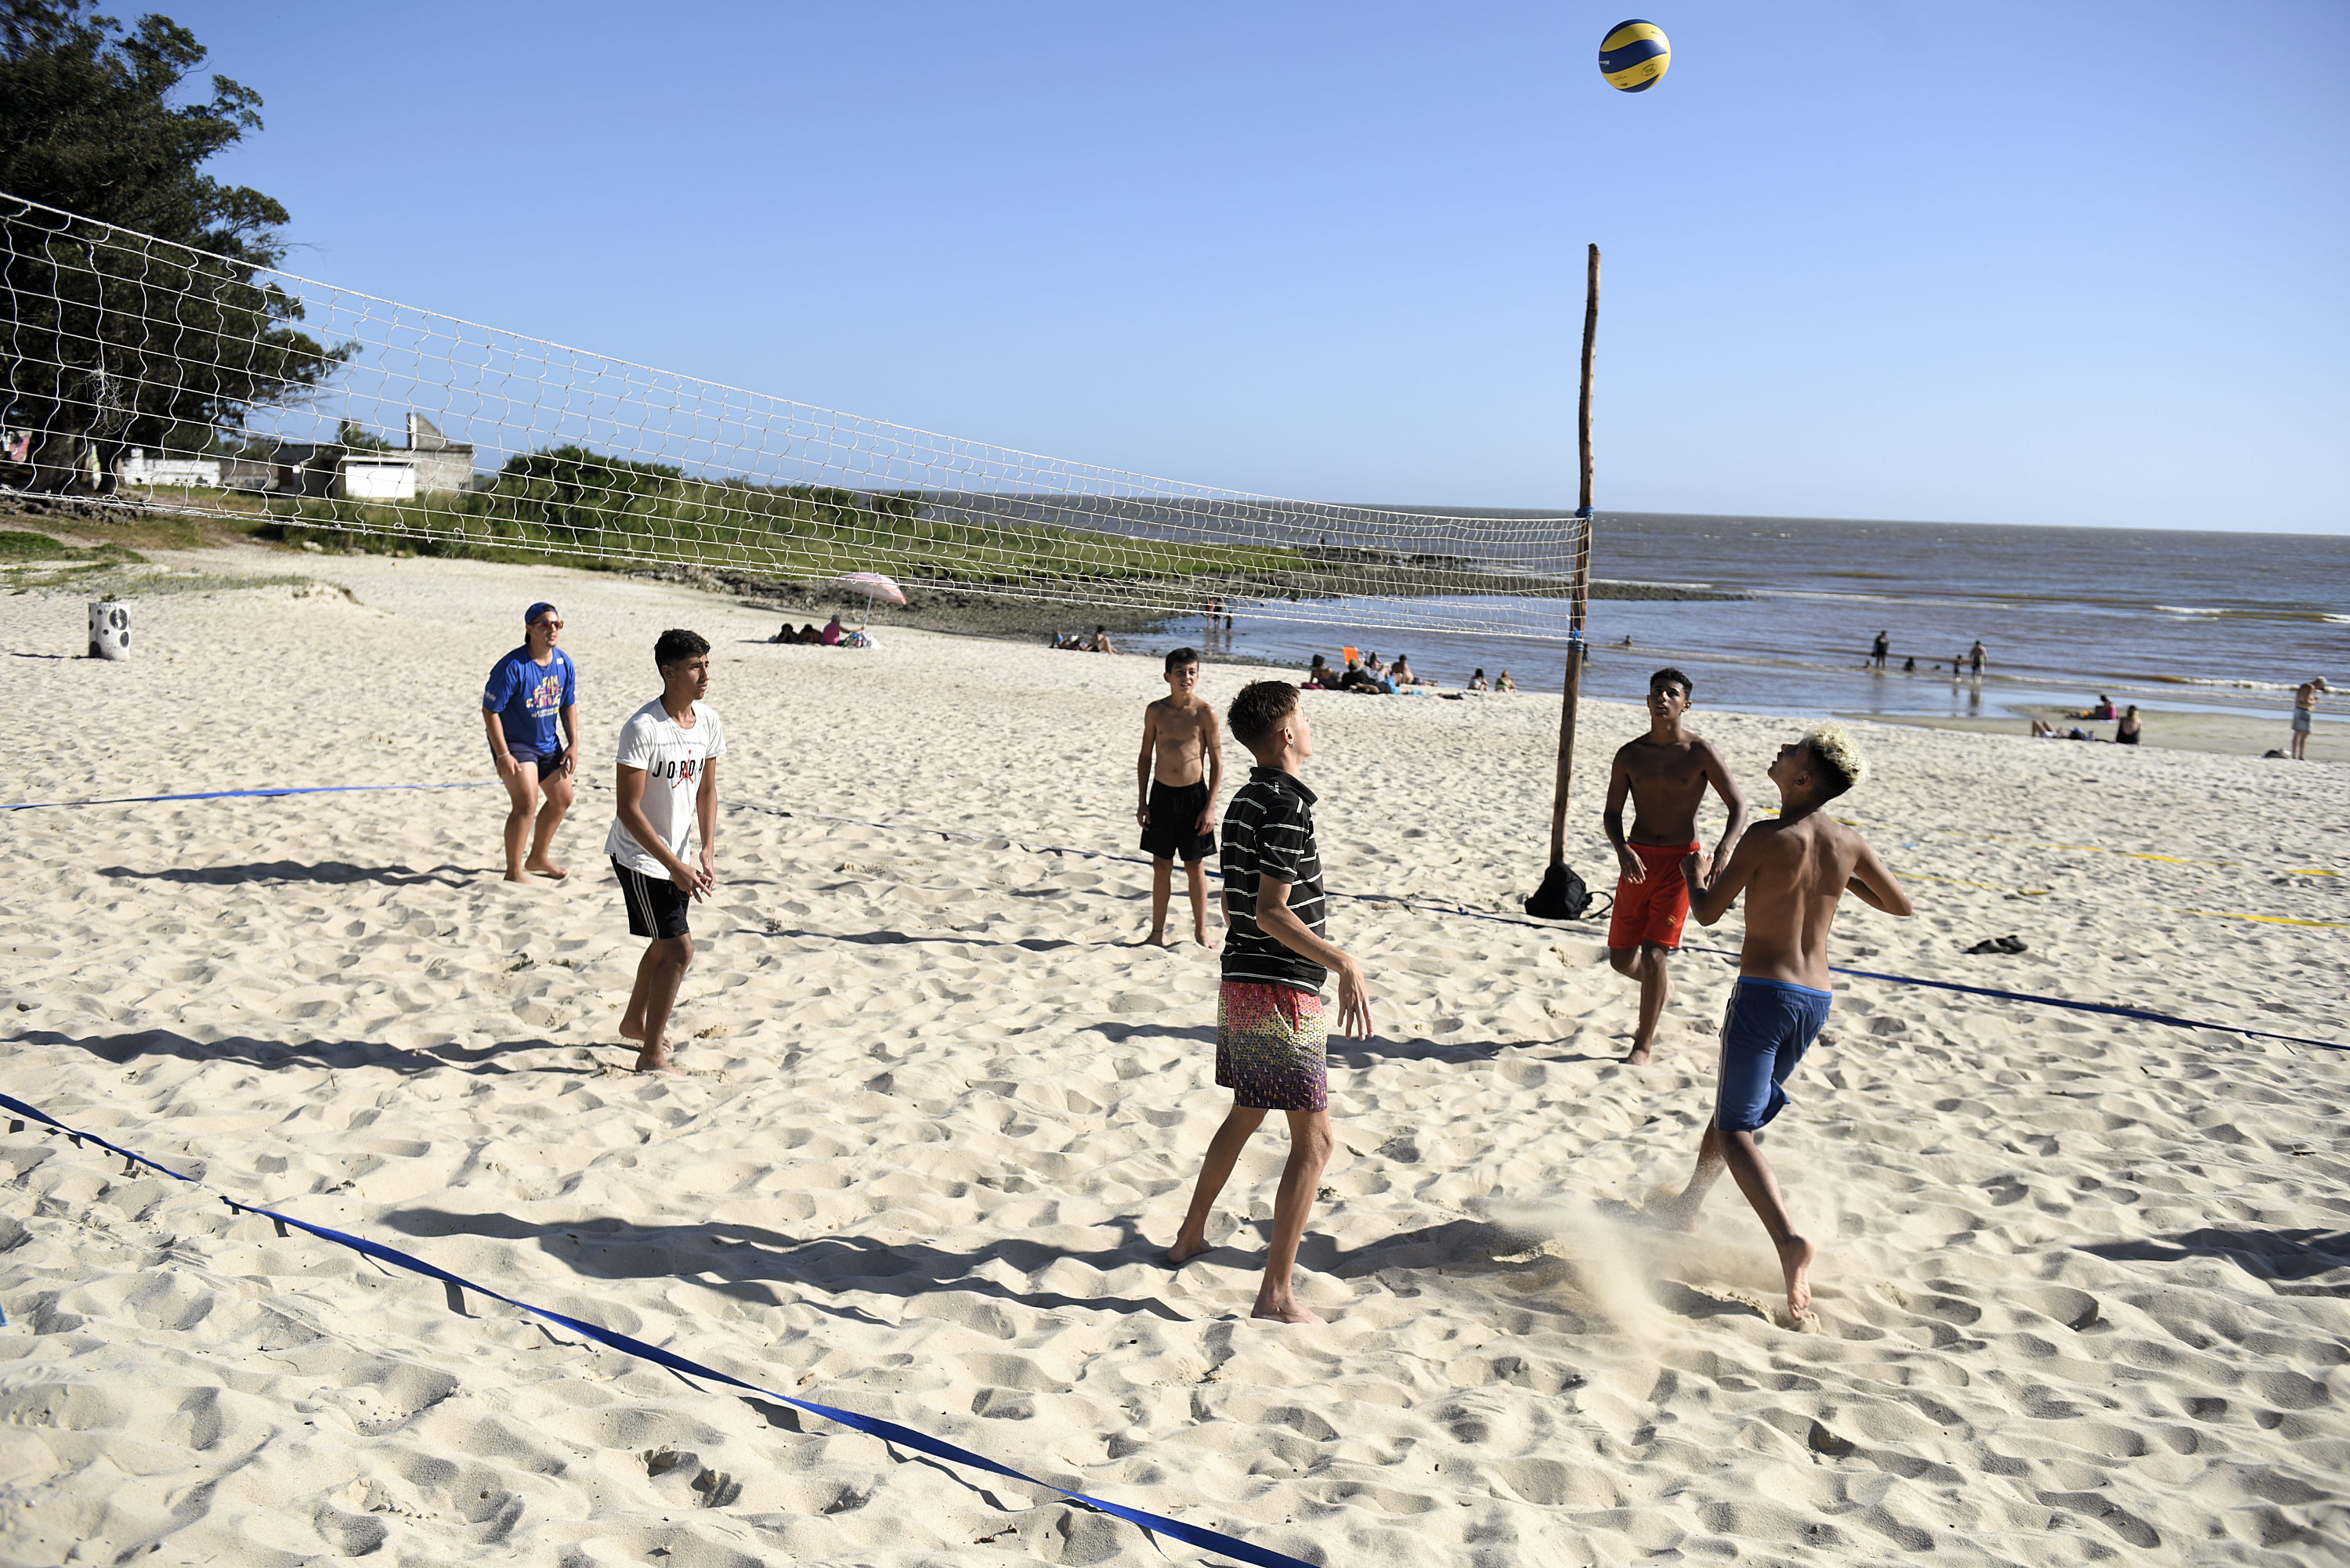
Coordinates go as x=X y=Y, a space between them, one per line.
x=530 y=709
x=1665 y=772
x=1794 y=872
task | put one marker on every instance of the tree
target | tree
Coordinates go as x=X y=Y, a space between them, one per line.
x=156 y=336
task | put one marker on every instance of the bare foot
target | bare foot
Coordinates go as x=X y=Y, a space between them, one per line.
x=547 y=868
x=518 y=877
x=1638 y=1056
x=635 y=1031
x=1155 y=940
x=1205 y=941
x=1795 y=1255
x=1287 y=1312
x=1184 y=1250
x=651 y=1060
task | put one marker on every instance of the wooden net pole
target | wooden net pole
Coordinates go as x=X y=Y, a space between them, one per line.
x=1579 y=602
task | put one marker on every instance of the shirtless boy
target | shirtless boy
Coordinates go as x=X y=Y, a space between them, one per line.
x=1176 y=807
x=1666 y=772
x=1792 y=871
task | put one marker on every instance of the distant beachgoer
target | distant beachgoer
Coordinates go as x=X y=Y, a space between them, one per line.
x=1317 y=673
x=2042 y=729
x=2101 y=709
x=1626 y=642
x=831 y=634
x=665 y=789
x=1794 y=872
x=2127 y=733
x=1666 y=772
x=1403 y=674
x=1478 y=682
x=530 y=709
x=1883 y=646
x=1909 y=665
x=1502 y=683
x=1101 y=642
x=1359 y=678
x=1272 y=1034
x=1176 y=807
x=1975 y=657
x=2304 y=714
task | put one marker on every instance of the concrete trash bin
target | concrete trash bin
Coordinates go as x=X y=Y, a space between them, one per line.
x=109 y=629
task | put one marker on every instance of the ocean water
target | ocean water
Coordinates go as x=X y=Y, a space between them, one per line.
x=2164 y=618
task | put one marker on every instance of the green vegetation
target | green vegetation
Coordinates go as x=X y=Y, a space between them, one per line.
x=587 y=508
x=21 y=546
x=115 y=341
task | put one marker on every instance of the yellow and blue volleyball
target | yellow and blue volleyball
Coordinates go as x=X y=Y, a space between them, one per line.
x=1634 y=55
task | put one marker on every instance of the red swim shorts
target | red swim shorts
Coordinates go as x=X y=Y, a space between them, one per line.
x=1654 y=910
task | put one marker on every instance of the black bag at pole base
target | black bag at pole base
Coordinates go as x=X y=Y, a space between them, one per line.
x=1561 y=896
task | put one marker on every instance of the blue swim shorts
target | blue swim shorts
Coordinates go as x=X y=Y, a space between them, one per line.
x=1765 y=1030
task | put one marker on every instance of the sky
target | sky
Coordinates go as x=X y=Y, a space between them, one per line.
x=1862 y=258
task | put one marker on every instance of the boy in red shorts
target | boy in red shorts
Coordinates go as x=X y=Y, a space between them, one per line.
x=1666 y=772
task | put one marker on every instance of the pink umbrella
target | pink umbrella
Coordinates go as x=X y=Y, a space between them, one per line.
x=874 y=585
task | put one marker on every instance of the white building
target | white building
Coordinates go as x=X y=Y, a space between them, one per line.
x=141 y=469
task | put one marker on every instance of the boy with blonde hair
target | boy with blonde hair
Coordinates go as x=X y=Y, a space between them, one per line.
x=1794 y=872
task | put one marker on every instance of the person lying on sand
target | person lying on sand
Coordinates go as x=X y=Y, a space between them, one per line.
x=1794 y=872
x=665 y=789
x=1666 y=772
x=1271 y=1035
x=1175 y=803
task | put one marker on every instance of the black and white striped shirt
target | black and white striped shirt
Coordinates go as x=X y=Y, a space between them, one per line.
x=1268 y=830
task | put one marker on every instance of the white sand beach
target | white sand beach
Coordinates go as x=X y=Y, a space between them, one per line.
x=2086 y=1286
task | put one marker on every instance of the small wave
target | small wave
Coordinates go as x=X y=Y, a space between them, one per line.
x=2189 y=609
x=2339 y=619
x=1654 y=583
x=2226 y=684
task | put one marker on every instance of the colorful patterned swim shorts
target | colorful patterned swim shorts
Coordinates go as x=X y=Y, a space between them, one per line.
x=1270 y=1047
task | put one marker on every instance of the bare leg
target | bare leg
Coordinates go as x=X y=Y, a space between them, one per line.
x=559 y=790
x=1223 y=1153
x=1681 y=1212
x=1195 y=877
x=1310 y=1141
x=1645 y=963
x=521 y=794
x=1755 y=1179
x=659 y=974
x=1162 y=883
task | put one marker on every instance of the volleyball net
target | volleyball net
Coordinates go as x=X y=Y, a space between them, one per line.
x=145 y=373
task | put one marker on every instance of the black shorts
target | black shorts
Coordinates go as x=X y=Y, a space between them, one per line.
x=1174 y=810
x=546 y=765
x=657 y=905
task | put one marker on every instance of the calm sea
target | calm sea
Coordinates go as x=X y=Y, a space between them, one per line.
x=2161 y=618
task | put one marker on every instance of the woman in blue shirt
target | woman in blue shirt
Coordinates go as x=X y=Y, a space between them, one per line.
x=528 y=707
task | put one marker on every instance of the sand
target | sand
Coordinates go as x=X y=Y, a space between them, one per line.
x=2084 y=1294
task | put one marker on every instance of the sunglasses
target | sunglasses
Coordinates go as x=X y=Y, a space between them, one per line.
x=549 y=621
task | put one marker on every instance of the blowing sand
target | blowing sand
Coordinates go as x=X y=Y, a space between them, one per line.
x=2085 y=1293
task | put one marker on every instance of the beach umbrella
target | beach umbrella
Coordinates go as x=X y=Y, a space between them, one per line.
x=874 y=585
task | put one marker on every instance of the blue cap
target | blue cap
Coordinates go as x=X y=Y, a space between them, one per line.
x=531 y=615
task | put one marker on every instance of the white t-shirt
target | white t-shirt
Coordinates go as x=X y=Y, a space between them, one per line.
x=673 y=757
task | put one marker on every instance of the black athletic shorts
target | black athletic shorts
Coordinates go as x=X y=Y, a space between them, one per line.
x=1174 y=810
x=657 y=905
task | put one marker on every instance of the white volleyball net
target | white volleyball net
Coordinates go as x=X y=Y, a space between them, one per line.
x=143 y=370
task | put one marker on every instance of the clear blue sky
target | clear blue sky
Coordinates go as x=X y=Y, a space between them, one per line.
x=1991 y=262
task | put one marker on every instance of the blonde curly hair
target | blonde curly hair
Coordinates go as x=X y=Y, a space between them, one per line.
x=1839 y=756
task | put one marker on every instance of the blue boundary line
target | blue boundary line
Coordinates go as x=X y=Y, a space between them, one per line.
x=2111 y=1009
x=1214 y=1540
x=2106 y=1008
x=233 y=794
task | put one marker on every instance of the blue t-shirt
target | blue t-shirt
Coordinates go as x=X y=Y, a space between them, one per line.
x=529 y=700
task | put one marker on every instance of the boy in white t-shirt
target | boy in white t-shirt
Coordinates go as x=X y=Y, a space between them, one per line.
x=666 y=786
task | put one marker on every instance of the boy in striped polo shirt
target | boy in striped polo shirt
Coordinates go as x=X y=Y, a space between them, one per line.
x=1271 y=1032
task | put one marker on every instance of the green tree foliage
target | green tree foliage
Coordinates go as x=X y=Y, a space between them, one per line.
x=112 y=340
